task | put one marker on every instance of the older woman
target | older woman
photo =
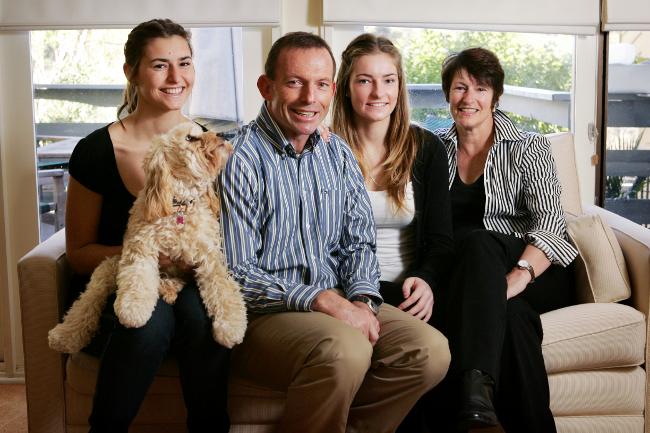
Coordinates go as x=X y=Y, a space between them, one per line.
x=512 y=251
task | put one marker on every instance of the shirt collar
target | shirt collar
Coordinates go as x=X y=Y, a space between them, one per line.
x=504 y=129
x=275 y=135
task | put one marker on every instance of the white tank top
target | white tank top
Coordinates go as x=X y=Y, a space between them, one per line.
x=395 y=234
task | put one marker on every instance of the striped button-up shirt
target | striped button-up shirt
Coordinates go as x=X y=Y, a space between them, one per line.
x=522 y=190
x=296 y=225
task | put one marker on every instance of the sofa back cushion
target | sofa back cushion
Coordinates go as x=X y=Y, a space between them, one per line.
x=565 y=162
x=601 y=273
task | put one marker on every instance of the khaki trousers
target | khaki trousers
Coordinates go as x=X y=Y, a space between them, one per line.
x=335 y=380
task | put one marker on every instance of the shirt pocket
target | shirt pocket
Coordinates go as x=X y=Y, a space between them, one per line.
x=330 y=215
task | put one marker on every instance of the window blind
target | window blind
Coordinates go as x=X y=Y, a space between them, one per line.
x=64 y=14
x=549 y=16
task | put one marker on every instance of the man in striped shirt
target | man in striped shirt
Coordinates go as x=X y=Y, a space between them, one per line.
x=300 y=239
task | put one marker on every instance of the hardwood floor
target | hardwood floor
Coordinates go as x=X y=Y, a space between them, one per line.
x=13 y=409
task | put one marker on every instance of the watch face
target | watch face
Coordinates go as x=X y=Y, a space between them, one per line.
x=369 y=302
x=523 y=263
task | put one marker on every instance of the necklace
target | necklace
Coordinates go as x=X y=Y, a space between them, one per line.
x=377 y=184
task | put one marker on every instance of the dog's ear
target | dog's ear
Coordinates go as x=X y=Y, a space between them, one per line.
x=158 y=195
x=213 y=201
x=216 y=151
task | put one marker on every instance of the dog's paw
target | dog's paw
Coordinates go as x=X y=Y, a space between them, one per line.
x=229 y=329
x=228 y=334
x=64 y=339
x=169 y=288
x=132 y=309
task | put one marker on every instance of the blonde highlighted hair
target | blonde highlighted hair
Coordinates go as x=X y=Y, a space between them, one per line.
x=402 y=141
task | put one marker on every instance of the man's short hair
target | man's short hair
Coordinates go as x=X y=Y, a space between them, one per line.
x=298 y=40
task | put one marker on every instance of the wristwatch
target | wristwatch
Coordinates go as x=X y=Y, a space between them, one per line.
x=523 y=264
x=368 y=301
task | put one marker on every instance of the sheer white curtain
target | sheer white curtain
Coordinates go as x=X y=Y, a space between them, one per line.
x=218 y=59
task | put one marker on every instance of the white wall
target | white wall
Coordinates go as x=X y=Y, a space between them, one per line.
x=584 y=112
x=19 y=221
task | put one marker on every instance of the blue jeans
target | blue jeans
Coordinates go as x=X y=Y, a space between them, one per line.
x=130 y=358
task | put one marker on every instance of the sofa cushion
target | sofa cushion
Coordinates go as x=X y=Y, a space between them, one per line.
x=591 y=424
x=250 y=403
x=610 y=391
x=81 y=375
x=565 y=163
x=601 y=275
x=588 y=336
x=163 y=404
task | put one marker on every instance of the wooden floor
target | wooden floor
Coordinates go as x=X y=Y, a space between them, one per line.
x=13 y=409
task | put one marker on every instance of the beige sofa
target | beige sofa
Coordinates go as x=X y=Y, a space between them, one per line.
x=594 y=353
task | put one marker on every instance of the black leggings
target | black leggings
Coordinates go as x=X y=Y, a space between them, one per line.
x=498 y=336
x=130 y=358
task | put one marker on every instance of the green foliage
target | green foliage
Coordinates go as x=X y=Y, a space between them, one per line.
x=613 y=187
x=542 y=66
x=536 y=61
x=76 y=57
x=629 y=187
x=526 y=123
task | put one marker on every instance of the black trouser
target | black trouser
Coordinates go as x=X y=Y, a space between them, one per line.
x=498 y=336
x=130 y=358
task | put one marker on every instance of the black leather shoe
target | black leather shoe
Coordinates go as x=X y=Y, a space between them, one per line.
x=476 y=407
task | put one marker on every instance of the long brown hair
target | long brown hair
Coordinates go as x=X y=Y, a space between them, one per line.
x=134 y=47
x=402 y=140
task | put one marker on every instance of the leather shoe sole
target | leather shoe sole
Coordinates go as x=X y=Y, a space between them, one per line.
x=477 y=419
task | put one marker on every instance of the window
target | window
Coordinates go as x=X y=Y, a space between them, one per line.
x=627 y=160
x=78 y=85
x=538 y=73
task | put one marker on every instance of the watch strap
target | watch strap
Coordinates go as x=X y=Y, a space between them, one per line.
x=530 y=270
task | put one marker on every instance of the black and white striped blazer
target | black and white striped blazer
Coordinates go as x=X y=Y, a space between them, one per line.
x=522 y=190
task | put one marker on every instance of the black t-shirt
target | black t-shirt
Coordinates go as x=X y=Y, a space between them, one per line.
x=467 y=206
x=93 y=165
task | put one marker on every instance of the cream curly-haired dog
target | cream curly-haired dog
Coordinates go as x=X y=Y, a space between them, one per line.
x=176 y=214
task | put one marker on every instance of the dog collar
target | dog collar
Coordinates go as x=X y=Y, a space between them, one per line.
x=181 y=206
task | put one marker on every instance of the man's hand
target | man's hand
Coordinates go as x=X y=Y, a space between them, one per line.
x=355 y=314
x=324 y=131
x=418 y=298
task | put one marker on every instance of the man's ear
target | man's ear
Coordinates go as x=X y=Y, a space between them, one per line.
x=333 y=88
x=265 y=86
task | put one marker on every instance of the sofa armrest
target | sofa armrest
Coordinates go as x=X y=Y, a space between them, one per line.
x=43 y=276
x=635 y=243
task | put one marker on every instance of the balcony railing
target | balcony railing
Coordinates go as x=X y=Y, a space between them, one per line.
x=624 y=109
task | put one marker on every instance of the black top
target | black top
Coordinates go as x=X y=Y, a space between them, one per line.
x=433 y=235
x=467 y=206
x=93 y=165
